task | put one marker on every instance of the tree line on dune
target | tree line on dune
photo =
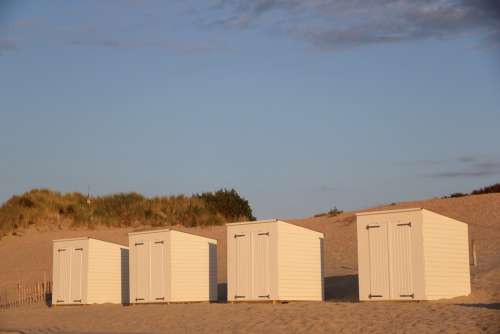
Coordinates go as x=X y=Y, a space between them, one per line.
x=494 y=188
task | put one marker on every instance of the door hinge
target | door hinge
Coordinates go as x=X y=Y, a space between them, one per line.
x=266 y=233
x=139 y=243
x=405 y=224
x=236 y=297
x=158 y=242
x=374 y=296
x=239 y=235
x=266 y=296
x=372 y=226
x=412 y=295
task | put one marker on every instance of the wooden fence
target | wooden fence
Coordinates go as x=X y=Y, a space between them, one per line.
x=38 y=293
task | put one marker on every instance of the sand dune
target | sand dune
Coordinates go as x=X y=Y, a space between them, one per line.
x=28 y=257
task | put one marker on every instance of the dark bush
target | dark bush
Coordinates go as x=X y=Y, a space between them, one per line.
x=495 y=188
x=454 y=195
x=228 y=203
x=331 y=213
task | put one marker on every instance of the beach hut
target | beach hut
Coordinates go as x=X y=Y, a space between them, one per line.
x=89 y=271
x=411 y=254
x=271 y=260
x=172 y=266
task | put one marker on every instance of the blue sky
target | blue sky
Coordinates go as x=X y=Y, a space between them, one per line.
x=299 y=105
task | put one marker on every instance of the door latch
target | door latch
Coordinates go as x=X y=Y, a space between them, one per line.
x=372 y=226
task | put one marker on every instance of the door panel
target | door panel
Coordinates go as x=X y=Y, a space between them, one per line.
x=261 y=266
x=63 y=275
x=141 y=272
x=379 y=261
x=243 y=269
x=75 y=295
x=158 y=271
x=400 y=261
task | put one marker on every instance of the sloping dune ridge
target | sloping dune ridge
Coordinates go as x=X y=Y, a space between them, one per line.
x=27 y=258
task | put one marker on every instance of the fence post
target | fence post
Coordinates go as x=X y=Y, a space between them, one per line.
x=474 y=254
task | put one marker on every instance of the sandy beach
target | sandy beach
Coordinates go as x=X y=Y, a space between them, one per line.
x=27 y=258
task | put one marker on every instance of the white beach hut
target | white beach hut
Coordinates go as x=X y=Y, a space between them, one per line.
x=273 y=260
x=88 y=271
x=411 y=254
x=172 y=266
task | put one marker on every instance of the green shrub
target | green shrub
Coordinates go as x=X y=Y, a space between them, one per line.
x=228 y=203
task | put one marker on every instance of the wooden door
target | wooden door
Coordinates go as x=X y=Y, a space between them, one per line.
x=379 y=261
x=261 y=268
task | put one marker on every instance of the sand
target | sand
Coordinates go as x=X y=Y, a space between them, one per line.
x=27 y=258
x=423 y=317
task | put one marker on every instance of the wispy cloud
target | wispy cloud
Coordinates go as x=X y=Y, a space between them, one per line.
x=470 y=173
x=95 y=43
x=94 y=35
x=422 y=162
x=340 y=24
x=470 y=166
x=182 y=48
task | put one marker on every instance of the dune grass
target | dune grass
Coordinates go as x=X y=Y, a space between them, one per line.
x=43 y=207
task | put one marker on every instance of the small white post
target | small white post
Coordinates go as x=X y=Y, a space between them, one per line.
x=474 y=254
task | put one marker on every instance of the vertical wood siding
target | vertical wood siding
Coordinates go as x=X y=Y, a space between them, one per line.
x=252 y=261
x=390 y=256
x=69 y=272
x=401 y=249
x=149 y=263
x=378 y=261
